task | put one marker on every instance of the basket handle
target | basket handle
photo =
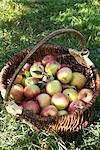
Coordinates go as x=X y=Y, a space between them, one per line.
x=43 y=41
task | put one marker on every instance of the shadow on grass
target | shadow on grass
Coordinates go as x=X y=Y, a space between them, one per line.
x=39 y=18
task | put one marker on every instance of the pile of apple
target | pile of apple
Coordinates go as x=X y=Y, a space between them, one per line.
x=49 y=88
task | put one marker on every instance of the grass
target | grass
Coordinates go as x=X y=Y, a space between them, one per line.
x=22 y=24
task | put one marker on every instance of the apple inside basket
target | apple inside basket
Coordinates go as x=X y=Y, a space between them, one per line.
x=50 y=88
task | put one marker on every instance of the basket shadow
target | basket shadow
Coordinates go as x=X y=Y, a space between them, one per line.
x=75 y=138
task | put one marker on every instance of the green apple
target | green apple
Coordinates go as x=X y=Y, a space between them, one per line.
x=53 y=87
x=64 y=75
x=62 y=112
x=71 y=94
x=51 y=68
x=27 y=73
x=78 y=80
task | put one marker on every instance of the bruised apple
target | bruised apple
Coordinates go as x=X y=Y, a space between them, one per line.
x=64 y=75
x=78 y=80
x=39 y=64
x=49 y=111
x=53 y=87
x=17 y=93
x=76 y=105
x=31 y=91
x=36 y=71
x=48 y=58
x=86 y=95
x=43 y=100
x=71 y=94
x=31 y=105
x=60 y=101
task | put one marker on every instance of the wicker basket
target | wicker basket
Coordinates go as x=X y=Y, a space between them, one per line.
x=78 y=61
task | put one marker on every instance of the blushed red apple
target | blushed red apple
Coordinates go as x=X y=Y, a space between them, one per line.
x=76 y=105
x=86 y=95
x=60 y=101
x=48 y=58
x=27 y=66
x=49 y=111
x=17 y=93
x=31 y=105
x=44 y=100
x=31 y=91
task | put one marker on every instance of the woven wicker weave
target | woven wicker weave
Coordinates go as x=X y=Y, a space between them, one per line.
x=78 y=61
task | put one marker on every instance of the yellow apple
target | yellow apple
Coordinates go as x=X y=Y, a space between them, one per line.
x=78 y=80
x=71 y=94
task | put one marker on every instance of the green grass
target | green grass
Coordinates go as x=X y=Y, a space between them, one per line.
x=22 y=24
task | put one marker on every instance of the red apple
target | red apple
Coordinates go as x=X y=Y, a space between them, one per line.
x=31 y=91
x=43 y=100
x=71 y=94
x=27 y=66
x=60 y=101
x=64 y=75
x=76 y=105
x=78 y=80
x=31 y=105
x=86 y=95
x=49 y=111
x=48 y=58
x=17 y=93
x=64 y=65
x=53 y=87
